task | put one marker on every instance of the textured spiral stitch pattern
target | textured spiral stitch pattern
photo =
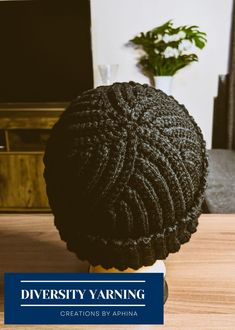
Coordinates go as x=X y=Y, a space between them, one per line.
x=125 y=169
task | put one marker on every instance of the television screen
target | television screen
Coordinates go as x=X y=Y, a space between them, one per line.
x=45 y=50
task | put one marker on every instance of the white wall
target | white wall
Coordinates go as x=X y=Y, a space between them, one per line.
x=114 y=22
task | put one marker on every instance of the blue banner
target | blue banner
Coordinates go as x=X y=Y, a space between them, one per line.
x=83 y=298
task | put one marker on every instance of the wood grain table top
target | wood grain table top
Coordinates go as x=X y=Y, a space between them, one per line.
x=201 y=276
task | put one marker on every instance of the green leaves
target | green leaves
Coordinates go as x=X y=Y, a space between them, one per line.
x=160 y=66
x=163 y=28
x=193 y=34
x=167 y=48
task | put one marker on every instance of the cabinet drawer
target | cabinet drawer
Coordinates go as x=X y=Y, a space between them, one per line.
x=21 y=182
x=28 y=139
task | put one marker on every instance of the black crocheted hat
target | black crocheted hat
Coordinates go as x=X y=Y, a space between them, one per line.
x=125 y=169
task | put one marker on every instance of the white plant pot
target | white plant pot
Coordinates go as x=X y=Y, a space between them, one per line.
x=164 y=83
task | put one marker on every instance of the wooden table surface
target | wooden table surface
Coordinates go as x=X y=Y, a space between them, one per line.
x=201 y=277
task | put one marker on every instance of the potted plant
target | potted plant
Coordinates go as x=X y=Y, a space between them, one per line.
x=168 y=49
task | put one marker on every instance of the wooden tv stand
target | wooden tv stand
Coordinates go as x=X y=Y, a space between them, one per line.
x=24 y=130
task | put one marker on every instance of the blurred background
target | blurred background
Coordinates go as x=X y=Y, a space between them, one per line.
x=51 y=51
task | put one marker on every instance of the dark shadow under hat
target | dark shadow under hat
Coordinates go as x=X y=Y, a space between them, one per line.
x=125 y=169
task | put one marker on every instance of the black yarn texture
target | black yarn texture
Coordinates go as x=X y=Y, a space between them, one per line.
x=125 y=169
